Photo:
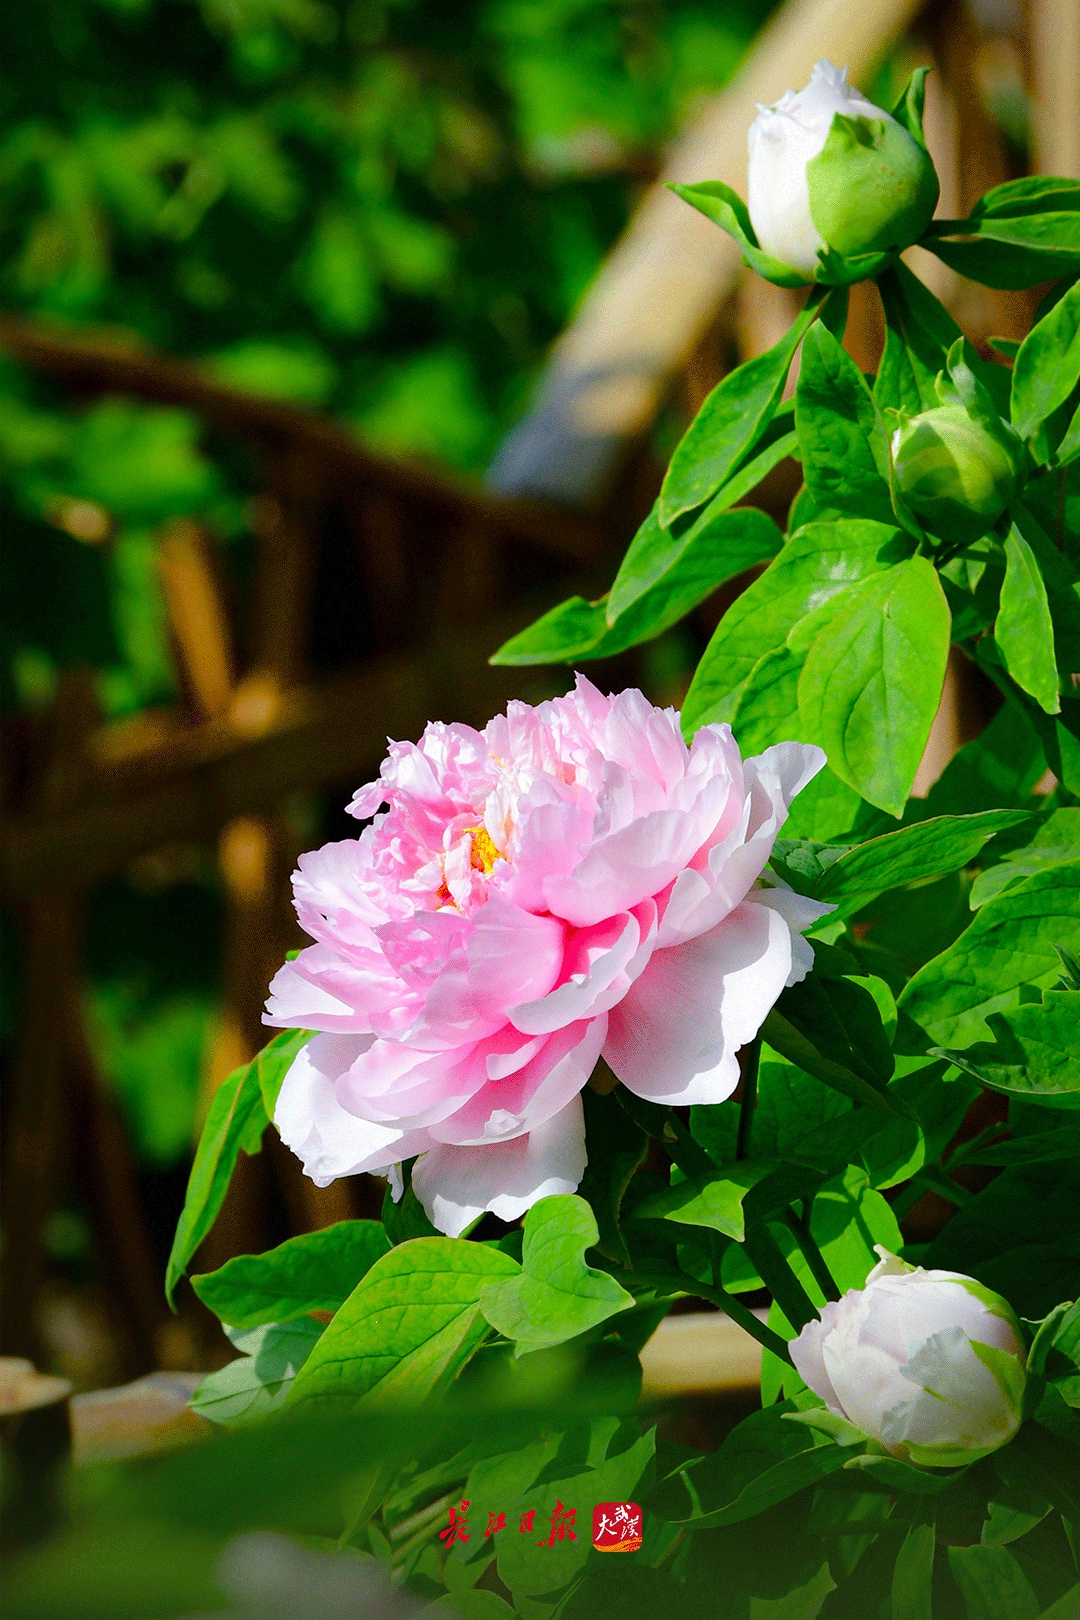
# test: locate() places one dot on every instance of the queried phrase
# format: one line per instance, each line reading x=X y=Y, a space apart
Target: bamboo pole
x=1055 y=73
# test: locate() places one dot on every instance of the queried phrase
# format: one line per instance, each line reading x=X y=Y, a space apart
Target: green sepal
x=726 y=208
x=830 y=1423
x=909 y=109
x=898 y=1476
x=873 y=190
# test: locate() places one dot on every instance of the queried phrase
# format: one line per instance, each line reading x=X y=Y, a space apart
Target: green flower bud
x=872 y=186
x=952 y=473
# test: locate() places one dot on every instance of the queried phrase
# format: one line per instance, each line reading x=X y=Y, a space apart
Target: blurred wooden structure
x=435 y=560
x=438 y=559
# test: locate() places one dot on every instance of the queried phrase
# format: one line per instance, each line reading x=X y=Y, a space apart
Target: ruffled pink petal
x=675 y=1035
x=321 y=990
x=598 y=968
x=513 y=956
x=703 y=897
x=509 y=1107
x=800 y=913
x=456 y=1185
x=628 y=866
x=329 y=1141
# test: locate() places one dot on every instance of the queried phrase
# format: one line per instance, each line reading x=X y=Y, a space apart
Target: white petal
x=675 y=1035
x=457 y=1184
x=806 y=1353
x=800 y=913
x=329 y=1141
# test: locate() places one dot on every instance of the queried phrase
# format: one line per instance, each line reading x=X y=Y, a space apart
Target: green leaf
x=726 y=208
x=1019 y=233
x=316 y=1271
x=1010 y=943
x=919 y=332
x=845 y=450
x=1056 y=841
x=616 y=1150
x=1024 y=632
x=913 y=1577
x=817 y=563
x=729 y=423
x=409 y=1326
x=1063 y=1142
x=1018 y=1236
x=273 y=1063
x=765 y=1460
x=872 y=680
x=235 y=1120
x=791 y=1107
x=1047 y=366
x=999 y=768
x=1066 y=1606
x=259 y=1380
x=688 y=568
x=688 y=560
x=1036 y=1051
x=559 y=636
x=1062 y=582
x=1069 y=448
x=924 y=850
x=716 y=1203
x=993 y=1584
x=556 y=1296
x=832 y=1030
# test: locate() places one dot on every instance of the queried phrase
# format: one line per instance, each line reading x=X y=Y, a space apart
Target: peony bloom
x=930 y=1364
x=571 y=882
x=873 y=190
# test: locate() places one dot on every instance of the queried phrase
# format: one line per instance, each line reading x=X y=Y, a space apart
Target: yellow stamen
x=484 y=853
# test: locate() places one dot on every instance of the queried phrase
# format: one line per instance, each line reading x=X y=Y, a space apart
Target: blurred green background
x=383 y=211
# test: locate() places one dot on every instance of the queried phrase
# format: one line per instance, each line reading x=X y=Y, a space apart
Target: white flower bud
x=877 y=191
x=930 y=1364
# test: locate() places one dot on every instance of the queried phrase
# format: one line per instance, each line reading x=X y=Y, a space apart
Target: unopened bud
x=953 y=474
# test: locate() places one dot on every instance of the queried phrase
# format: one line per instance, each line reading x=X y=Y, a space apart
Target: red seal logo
x=616 y=1527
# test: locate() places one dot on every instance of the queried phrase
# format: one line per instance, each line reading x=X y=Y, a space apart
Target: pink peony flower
x=571 y=882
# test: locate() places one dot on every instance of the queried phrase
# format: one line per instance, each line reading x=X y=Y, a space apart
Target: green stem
x=745 y=1317
x=974 y=1144
x=936 y=1179
x=786 y=1289
x=405 y=1529
x=688 y=1154
x=909 y=1196
x=799 y=1227
x=749 y=1098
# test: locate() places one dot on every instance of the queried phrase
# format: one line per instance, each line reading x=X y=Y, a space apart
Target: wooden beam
x=325 y=736
x=88 y=362
x=672 y=270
